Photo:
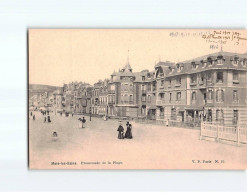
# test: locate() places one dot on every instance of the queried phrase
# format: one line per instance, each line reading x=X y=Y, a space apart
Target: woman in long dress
x=128 y=133
x=120 y=131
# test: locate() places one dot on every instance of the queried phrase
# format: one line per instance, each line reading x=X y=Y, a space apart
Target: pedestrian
x=72 y=114
x=34 y=117
x=83 y=122
x=45 y=119
x=54 y=136
x=120 y=131
x=61 y=114
x=31 y=113
x=47 y=112
x=128 y=133
x=48 y=119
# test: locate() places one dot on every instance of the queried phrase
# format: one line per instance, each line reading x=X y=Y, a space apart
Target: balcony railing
x=144 y=91
x=111 y=102
x=160 y=102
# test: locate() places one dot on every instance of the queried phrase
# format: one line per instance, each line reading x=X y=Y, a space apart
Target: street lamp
x=90 y=112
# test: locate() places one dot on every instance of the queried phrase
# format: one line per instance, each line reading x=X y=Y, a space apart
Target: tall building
x=127 y=92
x=210 y=88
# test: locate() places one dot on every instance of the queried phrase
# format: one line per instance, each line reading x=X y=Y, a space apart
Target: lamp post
x=90 y=112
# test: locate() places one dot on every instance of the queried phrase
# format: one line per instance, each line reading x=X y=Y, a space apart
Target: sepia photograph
x=137 y=99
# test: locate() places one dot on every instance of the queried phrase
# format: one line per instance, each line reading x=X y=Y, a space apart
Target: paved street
x=152 y=147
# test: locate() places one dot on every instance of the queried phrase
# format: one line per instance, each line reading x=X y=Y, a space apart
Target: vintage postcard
x=137 y=99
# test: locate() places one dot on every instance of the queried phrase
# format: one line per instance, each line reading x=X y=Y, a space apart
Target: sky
x=58 y=56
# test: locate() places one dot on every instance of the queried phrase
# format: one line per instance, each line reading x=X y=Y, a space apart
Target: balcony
x=160 y=102
x=177 y=84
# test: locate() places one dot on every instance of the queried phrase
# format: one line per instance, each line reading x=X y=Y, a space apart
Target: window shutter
x=217 y=95
x=222 y=95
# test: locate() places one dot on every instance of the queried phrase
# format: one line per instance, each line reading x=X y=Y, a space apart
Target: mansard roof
x=228 y=58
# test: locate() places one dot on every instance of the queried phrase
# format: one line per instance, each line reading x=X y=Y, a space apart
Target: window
x=235 y=76
x=193 y=65
x=244 y=62
x=201 y=76
x=149 y=87
x=169 y=83
x=235 y=95
x=178 y=96
x=143 y=87
x=170 y=97
x=131 y=98
x=220 y=95
x=178 y=80
x=143 y=78
x=204 y=64
x=193 y=79
x=193 y=96
x=143 y=110
x=235 y=60
x=235 y=117
x=210 y=94
x=143 y=98
x=209 y=61
x=209 y=76
x=161 y=96
x=220 y=60
x=149 y=99
x=219 y=77
x=162 y=83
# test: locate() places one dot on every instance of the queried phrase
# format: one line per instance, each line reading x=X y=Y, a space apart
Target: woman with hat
x=128 y=133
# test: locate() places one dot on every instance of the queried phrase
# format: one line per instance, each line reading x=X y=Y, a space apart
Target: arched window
x=220 y=95
x=193 y=95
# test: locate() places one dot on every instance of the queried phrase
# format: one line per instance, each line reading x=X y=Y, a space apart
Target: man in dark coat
x=83 y=122
x=48 y=119
x=120 y=131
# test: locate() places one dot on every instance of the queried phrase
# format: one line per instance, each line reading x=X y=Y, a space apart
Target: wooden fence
x=229 y=133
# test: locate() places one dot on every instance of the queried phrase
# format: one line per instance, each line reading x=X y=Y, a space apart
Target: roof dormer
x=235 y=60
x=220 y=60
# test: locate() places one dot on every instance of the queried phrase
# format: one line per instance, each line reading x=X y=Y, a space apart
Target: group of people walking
x=128 y=133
